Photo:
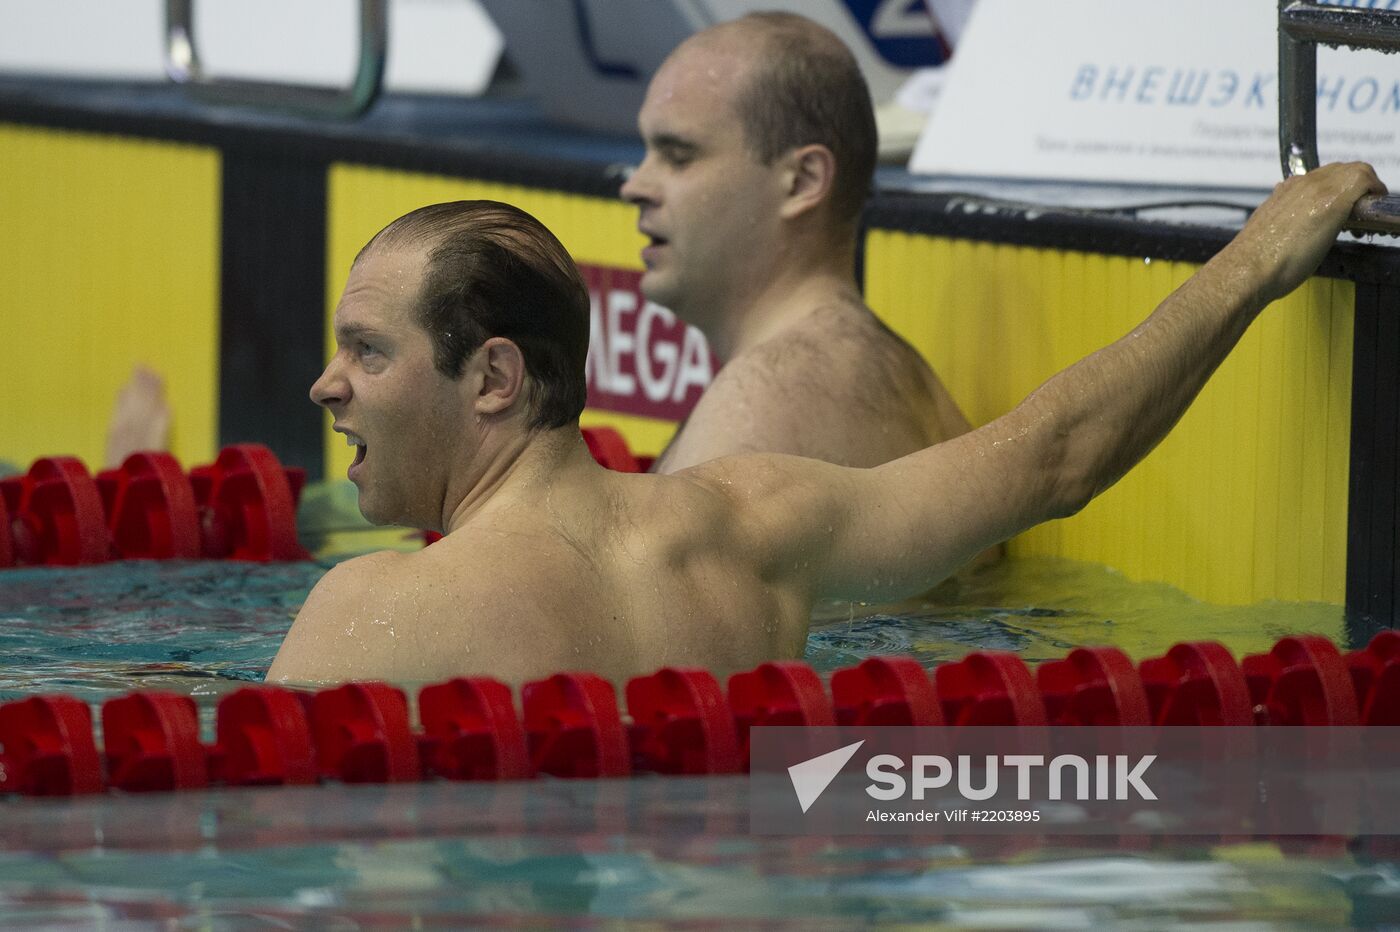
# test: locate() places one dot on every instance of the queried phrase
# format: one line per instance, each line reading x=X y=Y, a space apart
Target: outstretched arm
x=903 y=526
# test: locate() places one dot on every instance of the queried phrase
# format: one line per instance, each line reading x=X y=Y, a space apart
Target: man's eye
x=364 y=349
x=678 y=157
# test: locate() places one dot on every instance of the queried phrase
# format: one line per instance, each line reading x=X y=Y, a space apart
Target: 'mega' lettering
x=641 y=358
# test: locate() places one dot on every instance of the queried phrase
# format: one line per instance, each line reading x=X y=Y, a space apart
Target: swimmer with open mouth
x=551 y=562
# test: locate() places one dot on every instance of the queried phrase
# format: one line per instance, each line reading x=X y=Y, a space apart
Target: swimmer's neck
x=521 y=467
x=782 y=303
x=786 y=287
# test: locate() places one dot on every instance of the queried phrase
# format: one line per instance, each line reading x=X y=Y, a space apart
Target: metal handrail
x=182 y=65
x=1301 y=26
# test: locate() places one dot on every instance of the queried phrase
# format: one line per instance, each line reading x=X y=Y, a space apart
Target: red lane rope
x=678 y=721
x=240 y=507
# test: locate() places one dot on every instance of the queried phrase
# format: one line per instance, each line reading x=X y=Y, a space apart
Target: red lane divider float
x=471 y=731
x=248 y=505
x=1093 y=686
x=1197 y=683
x=1375 y=675
x=681 y=722
x=47 y=748
x=989 y=688
x=885 y=691
x=242 y=507
x=152 y=743
x=783 y=692
x=150 y=509
x=573 y=727
x=7 y=540
x=362 y=734
x=1304 y=680
x=56 y=516
x=264 y=739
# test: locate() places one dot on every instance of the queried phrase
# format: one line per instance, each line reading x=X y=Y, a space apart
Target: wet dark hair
x=495 y=271
x=807 y=88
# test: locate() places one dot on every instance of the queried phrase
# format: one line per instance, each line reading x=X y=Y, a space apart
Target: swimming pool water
x=583 y=853
x=206 y=627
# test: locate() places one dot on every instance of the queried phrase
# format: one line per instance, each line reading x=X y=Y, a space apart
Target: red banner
x=641 y=358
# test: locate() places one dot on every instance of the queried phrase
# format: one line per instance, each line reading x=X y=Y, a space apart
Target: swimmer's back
x=638 y=574
x=839 y=386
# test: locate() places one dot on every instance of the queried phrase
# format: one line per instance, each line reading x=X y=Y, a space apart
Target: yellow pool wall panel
x=109 y=257
x=1245 y=501
x=361 y=200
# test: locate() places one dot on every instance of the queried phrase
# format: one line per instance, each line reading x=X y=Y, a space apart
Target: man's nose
x=636 y=187
x=331 y=388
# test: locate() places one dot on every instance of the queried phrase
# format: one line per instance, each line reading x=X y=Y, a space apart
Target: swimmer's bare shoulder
x=636 y=577
x=336 y=615
x=840 y=388
x=414 y=617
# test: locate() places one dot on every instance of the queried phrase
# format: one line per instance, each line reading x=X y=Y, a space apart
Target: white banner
x=1144 y=91
x=436 y=46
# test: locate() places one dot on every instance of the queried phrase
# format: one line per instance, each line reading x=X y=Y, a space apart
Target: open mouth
x=358 y=444
x=652 y=248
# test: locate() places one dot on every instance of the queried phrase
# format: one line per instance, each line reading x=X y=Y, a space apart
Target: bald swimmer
x=459 y=375
x=760 y=150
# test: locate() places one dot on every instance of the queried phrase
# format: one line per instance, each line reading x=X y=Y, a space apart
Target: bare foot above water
x=140 y=418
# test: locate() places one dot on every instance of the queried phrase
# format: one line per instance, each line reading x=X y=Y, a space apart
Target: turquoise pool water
x=204 y=628
x=590 y=853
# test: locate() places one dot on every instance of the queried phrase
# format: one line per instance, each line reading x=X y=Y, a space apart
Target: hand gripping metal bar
x=1301 y=26
x=182 y=65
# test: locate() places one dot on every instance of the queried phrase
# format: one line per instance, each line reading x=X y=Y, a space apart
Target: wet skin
x=552 y=563
x=753 y=255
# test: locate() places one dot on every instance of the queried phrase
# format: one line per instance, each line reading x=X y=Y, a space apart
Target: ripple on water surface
x=204 y=627
x=506 y=854
x=102 y=629
x=1043 y=607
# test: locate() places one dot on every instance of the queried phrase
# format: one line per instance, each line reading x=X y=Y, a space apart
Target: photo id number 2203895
x=955 y=815
x=1004 y=815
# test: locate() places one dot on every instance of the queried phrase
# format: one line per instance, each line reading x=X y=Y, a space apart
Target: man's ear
x=501 y=372
x=809 y=176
